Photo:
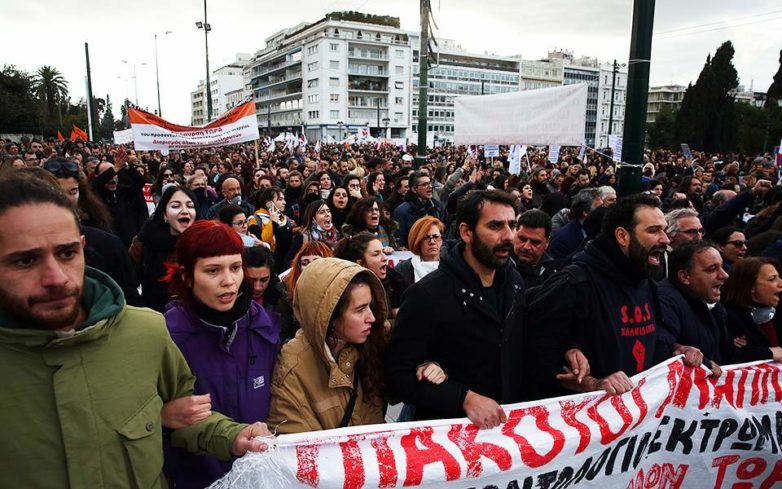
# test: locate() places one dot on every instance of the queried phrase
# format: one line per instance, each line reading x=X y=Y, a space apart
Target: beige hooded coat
x=310 y=389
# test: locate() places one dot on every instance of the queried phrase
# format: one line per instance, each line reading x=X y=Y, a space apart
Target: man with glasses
x=683 y=226
x=419 y=203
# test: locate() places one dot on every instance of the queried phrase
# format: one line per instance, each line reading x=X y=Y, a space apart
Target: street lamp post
x=386 y=121
x=135 y=80
x=157 y=77
x=339 y=125
x=207 y=28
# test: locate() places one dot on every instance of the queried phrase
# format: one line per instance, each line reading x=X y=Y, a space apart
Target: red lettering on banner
x=432 y=452
x=755 y=396
x=639 y=402
x=463 y=436
x=692 y=377
x=674 y=372
x=770 y=376
x=721 y=464
x=353 y=464
x=663 y=476
x=386 y=463
x=724 y=390
x=307 y=465
x=747 y=470
x=742 y=388
x=606 y=435
x=528 y=454
x=568 y=411
x=774 y=477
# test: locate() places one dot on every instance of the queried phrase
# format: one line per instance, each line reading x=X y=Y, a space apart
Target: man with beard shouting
x=603 y=305
x=466 y=316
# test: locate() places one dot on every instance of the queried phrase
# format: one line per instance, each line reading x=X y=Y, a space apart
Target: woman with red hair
x=230 y=341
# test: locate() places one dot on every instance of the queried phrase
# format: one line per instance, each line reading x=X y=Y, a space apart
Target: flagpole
x=257 y=158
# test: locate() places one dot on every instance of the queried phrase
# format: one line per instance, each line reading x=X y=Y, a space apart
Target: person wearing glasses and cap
x=419 y=203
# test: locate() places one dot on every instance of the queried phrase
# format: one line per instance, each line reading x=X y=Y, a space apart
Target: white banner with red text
x=150 y=132
x=678 y=428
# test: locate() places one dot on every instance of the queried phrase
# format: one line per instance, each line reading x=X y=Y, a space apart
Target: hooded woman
x=330 y=374
x=229 y=341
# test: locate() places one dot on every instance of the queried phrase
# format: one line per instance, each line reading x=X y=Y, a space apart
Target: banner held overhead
x=542 y=117
x=150 y=132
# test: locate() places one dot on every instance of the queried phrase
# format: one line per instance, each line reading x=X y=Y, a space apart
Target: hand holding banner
x=677 y=428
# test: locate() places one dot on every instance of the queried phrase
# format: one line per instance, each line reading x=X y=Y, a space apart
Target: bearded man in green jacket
x=84 y=376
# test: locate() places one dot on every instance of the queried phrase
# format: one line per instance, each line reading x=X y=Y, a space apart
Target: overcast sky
x=49 y=32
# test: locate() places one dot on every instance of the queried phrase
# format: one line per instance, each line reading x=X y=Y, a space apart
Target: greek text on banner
x=678 y=428
x=150 y=132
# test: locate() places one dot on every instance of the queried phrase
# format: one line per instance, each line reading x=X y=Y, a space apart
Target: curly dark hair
x=371 y=353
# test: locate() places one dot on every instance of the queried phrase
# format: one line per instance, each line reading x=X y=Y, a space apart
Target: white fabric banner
x=553 y=153
x=514 y=158
x=150 y=132
x=123 y=137
x=677 y=428
x=541 y=117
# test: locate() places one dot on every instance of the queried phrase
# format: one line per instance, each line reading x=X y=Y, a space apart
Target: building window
x=400 y=53
x=399 y=100
x=334 y=97
x=333 y=82
x=398 y=116
x=334 y=46
x=333 y=65
x=312 y=83
x=312 y=66
x=312 y=99
x=313 y=114
x=334 y=114
x=312 y=49
x=399 y=85
x=400 y=70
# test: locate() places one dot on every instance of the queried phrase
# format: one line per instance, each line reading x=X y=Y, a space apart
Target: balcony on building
x=364 y=84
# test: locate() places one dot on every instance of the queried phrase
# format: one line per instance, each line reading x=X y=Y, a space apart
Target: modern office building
x=611 y=85
x=224 y=80
x=582 y=70
x=457 y=72
x=338 y=75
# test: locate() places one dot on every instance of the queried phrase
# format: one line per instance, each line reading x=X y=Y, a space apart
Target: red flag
x=74 y=136
x=77 y=133
x=60 y=137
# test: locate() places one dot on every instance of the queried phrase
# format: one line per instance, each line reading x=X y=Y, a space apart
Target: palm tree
x=51 y=87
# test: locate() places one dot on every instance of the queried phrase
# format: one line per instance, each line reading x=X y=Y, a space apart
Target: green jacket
x=83 y=410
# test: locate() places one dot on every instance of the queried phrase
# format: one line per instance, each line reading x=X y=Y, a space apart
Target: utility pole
x=207 y=28
x=611 y=114
x=92 y=116
x=157 y=78
x=423 y=84
x=483 y=83
x=269 y=117
x=637 y=95
x=378 y=116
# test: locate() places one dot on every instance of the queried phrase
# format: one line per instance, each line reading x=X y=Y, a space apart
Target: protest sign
x=615 y=143
x=686 y=151
x=678 y=428
x=514 y=158
x=553 y=153
x=150 y=132
x=491 y=151
x=123 y=137
x=546 y=116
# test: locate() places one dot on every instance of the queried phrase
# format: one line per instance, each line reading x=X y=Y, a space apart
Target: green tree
x=662 y=132
x=107 y=123
x=707 y=116
x=19 y=108
x=50 y=87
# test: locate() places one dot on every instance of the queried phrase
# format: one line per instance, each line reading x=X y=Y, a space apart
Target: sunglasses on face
x=67 y=167
x=738 y=243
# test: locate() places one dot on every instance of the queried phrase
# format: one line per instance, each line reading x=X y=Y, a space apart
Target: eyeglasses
x=354 y=186
x=239 y=223
x=68 y=167
x=738 y=243
x=432 y=237
x=424 y=184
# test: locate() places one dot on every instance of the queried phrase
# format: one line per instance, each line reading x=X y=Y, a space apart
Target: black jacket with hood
x=446 y=317
x=602 y=304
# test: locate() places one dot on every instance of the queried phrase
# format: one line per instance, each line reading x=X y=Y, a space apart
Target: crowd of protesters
x=265 y=289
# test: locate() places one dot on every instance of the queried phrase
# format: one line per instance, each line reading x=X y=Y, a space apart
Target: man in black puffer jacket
x=466 y=316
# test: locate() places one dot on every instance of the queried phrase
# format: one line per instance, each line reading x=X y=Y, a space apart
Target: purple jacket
x=235 y=369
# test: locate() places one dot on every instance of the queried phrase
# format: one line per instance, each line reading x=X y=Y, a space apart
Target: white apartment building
x=333 y=77
x=224 y=81
x=663 y=96
x=608 y=87
x=542 y=73
x=457 y=72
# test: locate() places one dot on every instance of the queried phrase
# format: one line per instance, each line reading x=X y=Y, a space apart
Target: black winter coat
x=446 y=317
x=740 y=323
x=127 y=205
x=689 y=321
